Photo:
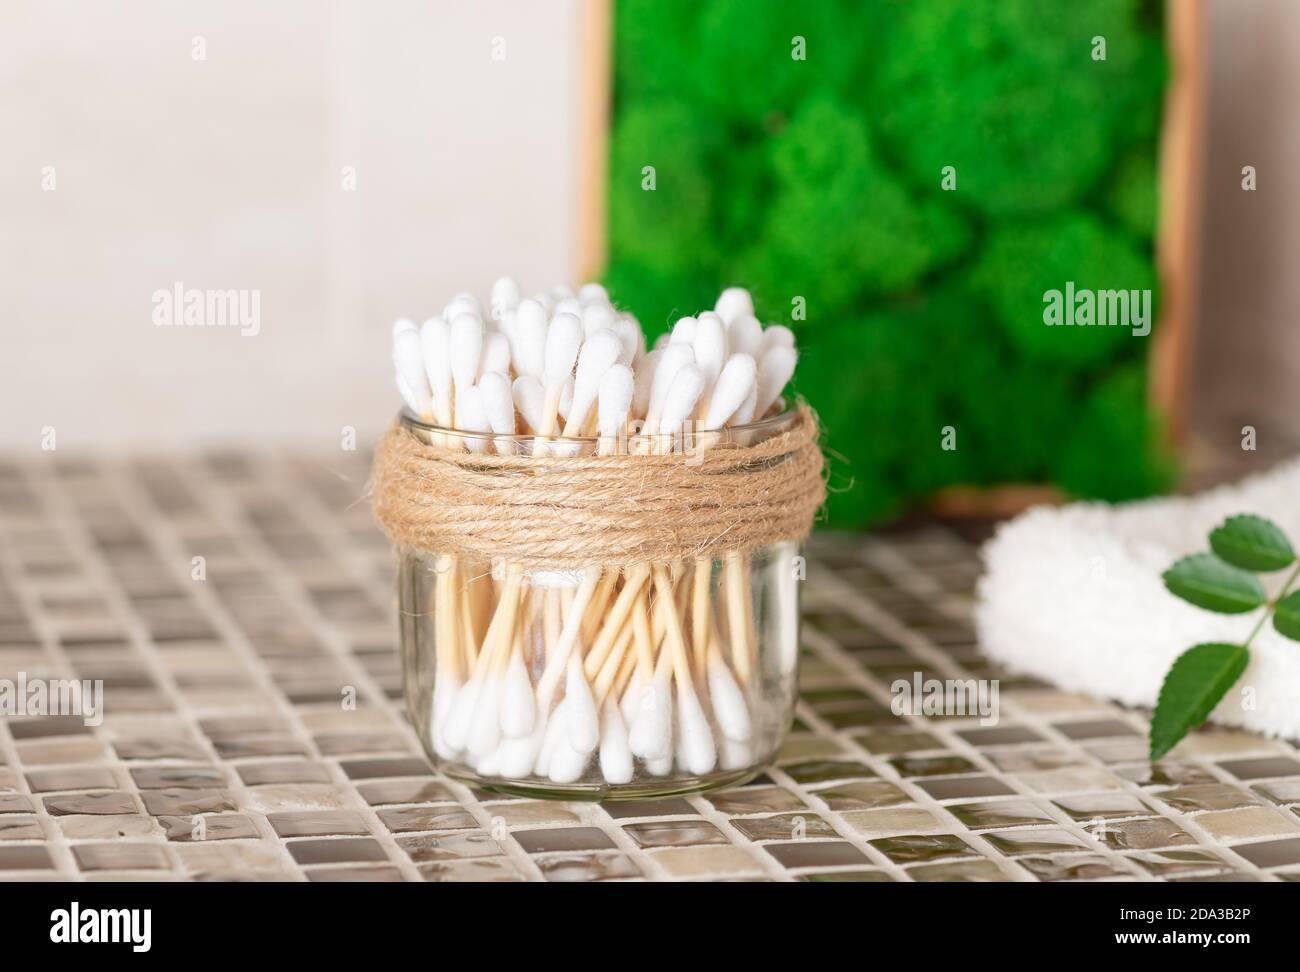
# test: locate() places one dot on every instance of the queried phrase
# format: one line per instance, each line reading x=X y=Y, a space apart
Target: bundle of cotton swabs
x=537 y=672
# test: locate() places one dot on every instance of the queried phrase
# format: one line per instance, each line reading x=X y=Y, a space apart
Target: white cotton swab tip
x=737 y=378
x=698 y=748
x=403 y=324
x=643 y=383
x=505 y=297
x=734 y=302
x=599 y=352
x=615 y=756
x=499 y=407
x=682 y=397
x=496 y=353
x=409 y=363
x=710 y=345
x=674 y=358
x=593 y=293
x=466 y=349
x=595 y=317
x=614 y=400
x=517 y=704
x=745 y=336
x=563 y=339
x=774 y=372
x=529 y=342
x=729 y=708
x=683 y=331
x=471 y=417
x=630 y=338
x=529 y=396
x=582 y=722
x=777 y=335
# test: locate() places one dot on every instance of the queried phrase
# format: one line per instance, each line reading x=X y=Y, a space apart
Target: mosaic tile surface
x=254 y=727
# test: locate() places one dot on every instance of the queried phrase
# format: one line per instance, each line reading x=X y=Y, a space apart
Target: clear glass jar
x=601 y=683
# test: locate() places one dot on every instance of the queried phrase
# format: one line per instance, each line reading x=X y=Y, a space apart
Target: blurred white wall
x=1248 y=339
x=227 y=173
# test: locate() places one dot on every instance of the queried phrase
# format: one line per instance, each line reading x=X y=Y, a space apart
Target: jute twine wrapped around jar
x=559 y=513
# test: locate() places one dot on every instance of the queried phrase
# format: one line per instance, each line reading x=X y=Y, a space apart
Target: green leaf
x=1252 y=542
x=1286 y=616
x=1207 y=582
x=1199 y=678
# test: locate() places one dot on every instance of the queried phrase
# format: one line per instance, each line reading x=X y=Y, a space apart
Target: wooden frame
x=1177 y=235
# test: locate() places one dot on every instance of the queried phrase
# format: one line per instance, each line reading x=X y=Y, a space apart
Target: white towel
x=1073 y=595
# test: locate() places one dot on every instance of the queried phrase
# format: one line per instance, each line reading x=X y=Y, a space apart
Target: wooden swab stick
x=614 y=620
x=556 y=663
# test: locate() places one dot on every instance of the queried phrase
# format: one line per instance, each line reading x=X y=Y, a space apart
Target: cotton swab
x=615 y=756
x=599 y=352
x=734 y=383
x=529 y=342
x=563 y=339
x=590 y=293
x=643 y=382
x=466 y=352
x=673 y=359
x=710 y=344
x=774 y=373
x=613 y=402
x=529 y=398
x=680 y=402
x=499 y=407
x=734 y=302
x=745 y=336
x=777 y=335
x=435 y=346
x=496 y=353
x=505 y=297
x=472 y=417
x=597 y=317
x=410 y=370
x=683 y=331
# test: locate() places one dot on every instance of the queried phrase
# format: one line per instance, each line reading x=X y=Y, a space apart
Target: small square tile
x=1095 y=729
x=999 y=813
x=1280 y=791
x=529 y=813
x=821 y=771
x=1166 y=773
x=20 y=827
x=945 y=765
x=785 y=826
x=344 y=850
x=816 y=853
x=369 y=769
x=1164 y=863
x=890 y=742
x=25 y=857
x=1247 y=823
x=1269 y=853
x=405 y=791
x=865 y=876
x=120 y=857
x=107 y=827
x=1256 y=769
x=981 y=870
x=588 y=867
x=283 y=771
x=15 y=803
x=672 y=806
x=178 y=777
x=405 y=820
x=1141 y=834
x=1000 y=735
x=922 y=848
x=74 y=778
x=99 y=803
x=1102 y=806
x=186 y=802
x=565 y=839
x=478 y=870
x=755 y=799
x=1045 y=840
x=690 y=862
x=965 y=787
x=367 y=875
x=42 y=726
x=319 y=823
x=230 y=826
x=862 y=796
x=893 y=820
x=1072 y=867
x=433 y=848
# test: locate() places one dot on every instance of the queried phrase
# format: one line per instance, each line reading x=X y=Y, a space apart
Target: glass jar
x=605 y=682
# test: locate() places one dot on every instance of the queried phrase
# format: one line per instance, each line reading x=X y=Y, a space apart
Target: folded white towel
x=1073 y=595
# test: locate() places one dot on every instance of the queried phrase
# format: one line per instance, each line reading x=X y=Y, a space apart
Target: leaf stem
x=1271 y=606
